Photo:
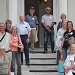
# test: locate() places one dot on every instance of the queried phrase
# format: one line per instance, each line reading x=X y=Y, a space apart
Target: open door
x=34 y=3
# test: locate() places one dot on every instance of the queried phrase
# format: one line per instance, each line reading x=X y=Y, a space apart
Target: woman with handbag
x=15 y=45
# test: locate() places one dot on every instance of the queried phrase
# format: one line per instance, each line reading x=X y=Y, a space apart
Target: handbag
x=19 y=49
x=61 y=64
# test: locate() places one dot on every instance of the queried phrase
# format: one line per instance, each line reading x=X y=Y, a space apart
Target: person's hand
x=27 y=40
x=61 y=39
x=37 y=31
x=66 y=70
x=48 y=29
x=60 y=50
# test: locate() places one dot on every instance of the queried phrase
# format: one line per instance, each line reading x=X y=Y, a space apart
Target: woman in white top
x=59 y=39
x=69 y=65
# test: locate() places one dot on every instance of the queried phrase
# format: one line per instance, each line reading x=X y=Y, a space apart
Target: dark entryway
x=39 y=11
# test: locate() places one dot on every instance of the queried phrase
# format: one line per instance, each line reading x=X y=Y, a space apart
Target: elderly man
x=33 y=22
x=24 y=31
x=48 y=23
x=5 y=41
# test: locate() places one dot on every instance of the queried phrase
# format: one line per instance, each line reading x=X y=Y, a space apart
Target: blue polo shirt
x=32 y=20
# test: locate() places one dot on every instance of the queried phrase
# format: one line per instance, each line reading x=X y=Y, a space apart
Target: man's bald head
x=21 y=17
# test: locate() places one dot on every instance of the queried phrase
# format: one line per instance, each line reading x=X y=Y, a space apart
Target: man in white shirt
x=5 y=41
x=24 y=31
x=48 y=23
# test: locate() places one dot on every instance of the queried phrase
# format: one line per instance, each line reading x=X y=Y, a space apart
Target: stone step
x=39 y=61
x=48 y=55
x=35 y=68
x=41 y=73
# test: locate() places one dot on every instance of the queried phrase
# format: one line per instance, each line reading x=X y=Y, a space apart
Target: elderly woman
x=15 y=44
x=63 y=19
x=69 y=65
x=4 y=62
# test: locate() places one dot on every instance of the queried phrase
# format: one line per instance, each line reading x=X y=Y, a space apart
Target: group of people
x=14 y=40
x=65 y=43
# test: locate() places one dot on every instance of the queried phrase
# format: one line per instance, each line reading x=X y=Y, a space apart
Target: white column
x=62 y=7
x=20 y=7
x=13 y=11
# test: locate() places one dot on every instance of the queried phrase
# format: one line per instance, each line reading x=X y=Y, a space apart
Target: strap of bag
x=18 y=39
x=3 y=37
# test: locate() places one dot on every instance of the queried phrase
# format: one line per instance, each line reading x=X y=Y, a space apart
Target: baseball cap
x=32 y=8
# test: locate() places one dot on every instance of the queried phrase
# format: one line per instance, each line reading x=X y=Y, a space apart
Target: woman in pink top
x=15 y=43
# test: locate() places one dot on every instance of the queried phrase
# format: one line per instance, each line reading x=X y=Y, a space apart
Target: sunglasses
x=48 y=9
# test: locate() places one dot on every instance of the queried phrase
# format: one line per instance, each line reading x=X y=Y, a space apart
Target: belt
x=24 y=35
x=7 y=51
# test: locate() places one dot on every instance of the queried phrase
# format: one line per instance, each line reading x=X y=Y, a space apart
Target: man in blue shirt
x=33 y=22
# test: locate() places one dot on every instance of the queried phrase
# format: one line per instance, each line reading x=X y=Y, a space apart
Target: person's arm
x=59 y=25
x=29 y=29
x=52 y=24
x=20 y=43
x=37 y=28
x=45 y=26
x=9 y=70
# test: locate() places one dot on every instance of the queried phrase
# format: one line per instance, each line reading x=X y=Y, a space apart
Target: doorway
x=39 y=12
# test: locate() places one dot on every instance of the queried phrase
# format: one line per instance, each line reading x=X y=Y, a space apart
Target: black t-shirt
x=67 y=35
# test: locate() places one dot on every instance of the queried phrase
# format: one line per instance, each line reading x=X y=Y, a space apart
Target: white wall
x=71 y=11
x=2 y=10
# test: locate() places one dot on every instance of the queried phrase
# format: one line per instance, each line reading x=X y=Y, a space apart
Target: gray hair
x=63 y=15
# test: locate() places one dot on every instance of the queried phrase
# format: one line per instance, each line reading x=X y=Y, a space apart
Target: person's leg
x=22 y=58
x=58 y=56
x=26 y=52
x=22 y=39
x=18 y=59
x=33 y=35
x=13 y=62
x=64 y=50
x=52 y=39
x=45 y=39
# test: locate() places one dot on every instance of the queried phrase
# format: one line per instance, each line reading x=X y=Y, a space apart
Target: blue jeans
x=46 y=36
x=64 y=50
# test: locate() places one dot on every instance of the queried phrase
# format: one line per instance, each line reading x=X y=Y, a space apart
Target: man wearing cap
x=48 y=23
x=33 y=22
x=5 y=41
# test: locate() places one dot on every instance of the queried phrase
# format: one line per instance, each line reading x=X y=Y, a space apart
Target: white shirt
x=6 y=41
x=47 y=19
x=68 y=61
x=61 y=32
x=23 y=28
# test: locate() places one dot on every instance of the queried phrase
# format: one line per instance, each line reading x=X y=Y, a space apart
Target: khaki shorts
x=33 y=35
